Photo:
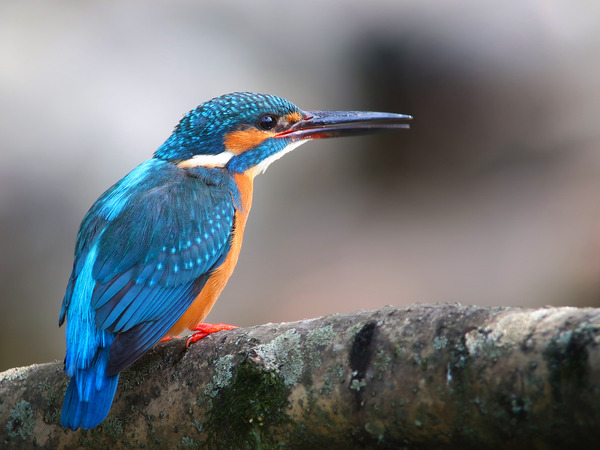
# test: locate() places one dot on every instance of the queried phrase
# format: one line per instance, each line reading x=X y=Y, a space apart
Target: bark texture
x=423 y=376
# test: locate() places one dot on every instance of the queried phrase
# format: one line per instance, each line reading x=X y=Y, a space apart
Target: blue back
x=144 y=252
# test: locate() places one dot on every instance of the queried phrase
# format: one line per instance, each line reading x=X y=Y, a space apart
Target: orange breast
x=204 y=302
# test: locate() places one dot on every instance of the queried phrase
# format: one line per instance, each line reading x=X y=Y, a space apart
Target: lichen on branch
x=423 y=376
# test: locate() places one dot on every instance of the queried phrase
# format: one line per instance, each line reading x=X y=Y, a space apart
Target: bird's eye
x=267 y=122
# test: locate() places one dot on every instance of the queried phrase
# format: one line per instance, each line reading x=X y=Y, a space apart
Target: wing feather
x=159 y=234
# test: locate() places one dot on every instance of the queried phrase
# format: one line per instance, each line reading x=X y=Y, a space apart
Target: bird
x=154 y=252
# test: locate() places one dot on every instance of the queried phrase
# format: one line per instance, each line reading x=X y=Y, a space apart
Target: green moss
x=21 y=421
x=112 y=426
x=246 y=412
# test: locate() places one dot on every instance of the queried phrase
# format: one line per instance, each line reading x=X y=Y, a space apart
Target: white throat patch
x=262 y=166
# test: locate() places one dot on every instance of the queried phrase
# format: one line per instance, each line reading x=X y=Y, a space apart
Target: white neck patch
x=221 y=159
x=218 y=160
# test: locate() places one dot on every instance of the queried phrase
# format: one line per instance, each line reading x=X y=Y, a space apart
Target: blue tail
x=89 y=395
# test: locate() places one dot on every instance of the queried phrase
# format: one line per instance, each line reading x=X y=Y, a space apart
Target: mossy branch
x=424 y=376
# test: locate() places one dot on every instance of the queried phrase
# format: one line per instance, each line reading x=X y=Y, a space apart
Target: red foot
x=204 y=329
x=165 y=339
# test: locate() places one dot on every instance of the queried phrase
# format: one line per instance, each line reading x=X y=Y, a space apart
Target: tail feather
x=89 y=395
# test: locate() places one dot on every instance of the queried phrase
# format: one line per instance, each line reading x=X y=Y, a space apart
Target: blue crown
x=202 y=130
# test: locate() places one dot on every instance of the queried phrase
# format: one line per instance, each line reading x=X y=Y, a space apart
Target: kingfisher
x=155 y=251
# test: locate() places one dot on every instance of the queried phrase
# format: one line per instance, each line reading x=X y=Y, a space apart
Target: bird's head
x=245 y=132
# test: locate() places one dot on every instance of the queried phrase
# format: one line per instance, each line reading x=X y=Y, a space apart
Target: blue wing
x=156 y=237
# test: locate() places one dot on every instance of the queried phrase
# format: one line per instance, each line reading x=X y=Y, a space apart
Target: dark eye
x=267 y=122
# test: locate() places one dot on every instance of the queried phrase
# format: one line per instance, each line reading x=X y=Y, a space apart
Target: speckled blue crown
x=201 y=131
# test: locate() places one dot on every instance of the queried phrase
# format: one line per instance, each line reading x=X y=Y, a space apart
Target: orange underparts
x=204 y=302
x=241 y=140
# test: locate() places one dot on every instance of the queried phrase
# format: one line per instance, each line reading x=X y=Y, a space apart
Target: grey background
x=491 y=198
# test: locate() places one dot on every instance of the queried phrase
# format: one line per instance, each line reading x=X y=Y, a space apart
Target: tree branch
x=423 y=376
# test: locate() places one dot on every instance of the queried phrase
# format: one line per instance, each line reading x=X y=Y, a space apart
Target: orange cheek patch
x=239 y=141
x=294 y=117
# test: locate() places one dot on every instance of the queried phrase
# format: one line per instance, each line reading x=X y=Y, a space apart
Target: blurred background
x=490 y=199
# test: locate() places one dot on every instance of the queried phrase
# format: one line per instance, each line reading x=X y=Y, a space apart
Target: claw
x=204 y=329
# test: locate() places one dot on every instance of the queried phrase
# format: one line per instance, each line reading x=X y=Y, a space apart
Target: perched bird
x=156 y=249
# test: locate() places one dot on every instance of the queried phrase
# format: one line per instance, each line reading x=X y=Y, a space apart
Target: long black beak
x=325 y=124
